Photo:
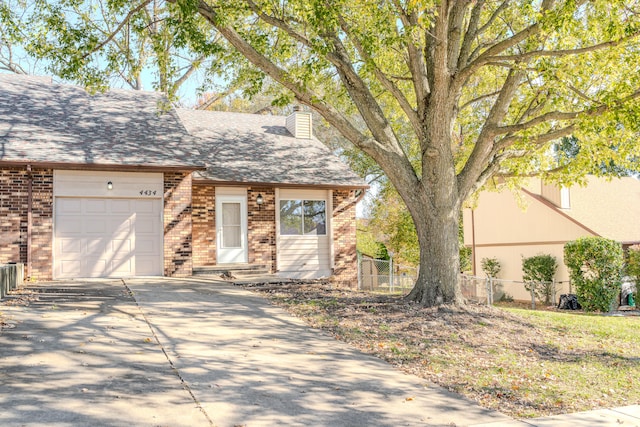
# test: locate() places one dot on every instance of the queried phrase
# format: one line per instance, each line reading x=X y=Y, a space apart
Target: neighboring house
x=122 y=184
x=546 y=218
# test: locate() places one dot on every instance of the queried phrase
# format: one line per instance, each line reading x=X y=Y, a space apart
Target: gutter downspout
x=29 y=218
x=473 y=242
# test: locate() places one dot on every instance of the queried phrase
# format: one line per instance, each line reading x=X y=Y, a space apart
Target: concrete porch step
x=233 y=269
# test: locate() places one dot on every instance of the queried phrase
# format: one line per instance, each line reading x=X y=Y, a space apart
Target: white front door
x=231 y=221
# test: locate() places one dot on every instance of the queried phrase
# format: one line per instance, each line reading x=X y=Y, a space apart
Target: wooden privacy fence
x=11 y=275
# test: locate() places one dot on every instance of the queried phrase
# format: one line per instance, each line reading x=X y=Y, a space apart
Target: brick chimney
x=299 y=123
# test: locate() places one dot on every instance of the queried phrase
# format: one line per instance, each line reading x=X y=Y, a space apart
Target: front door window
x=231 y=225
x=231 y=229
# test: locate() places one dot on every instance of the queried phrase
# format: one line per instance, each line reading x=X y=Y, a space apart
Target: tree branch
x=417 y=62
x=470 y=34
x=532 y=174
x=484 y=147
x=192 y=68
x=564 y=52
x=539 y=140
x=563 y=116
x=381 y=76
x=118 y=28
x=501 y=46
x=279 y=23
x=496 y=13
x=478 y=99
x=455 y=37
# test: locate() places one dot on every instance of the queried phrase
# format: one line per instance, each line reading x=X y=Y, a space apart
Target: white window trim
x=326 y=215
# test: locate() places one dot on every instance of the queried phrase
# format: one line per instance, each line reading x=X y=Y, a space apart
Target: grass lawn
x=523 y=363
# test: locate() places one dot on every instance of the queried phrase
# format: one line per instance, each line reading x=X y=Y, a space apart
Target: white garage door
x=107 y=237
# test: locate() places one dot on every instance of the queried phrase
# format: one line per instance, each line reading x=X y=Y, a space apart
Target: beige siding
x=551 y=192
x=499 y=220
x=501 y=228
x=300 y=125
x=304 y=256
x=303 y=253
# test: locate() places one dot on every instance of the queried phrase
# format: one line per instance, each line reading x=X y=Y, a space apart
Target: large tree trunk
x=439 y=257
x=435 y=208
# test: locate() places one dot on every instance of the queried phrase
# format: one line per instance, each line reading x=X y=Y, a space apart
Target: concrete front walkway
x=189 y=352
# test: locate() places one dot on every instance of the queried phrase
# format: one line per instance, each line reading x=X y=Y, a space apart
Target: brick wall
x=177 y=224
x=14 y=202
x=204 y=225
x=345 y=272
x=262 y=227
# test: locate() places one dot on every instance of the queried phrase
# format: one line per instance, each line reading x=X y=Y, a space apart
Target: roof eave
x=101 y=166
x=327 y=186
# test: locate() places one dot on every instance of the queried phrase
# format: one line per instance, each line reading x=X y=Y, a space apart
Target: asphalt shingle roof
x=44 y=122
x=59 y=124
x=251 y=148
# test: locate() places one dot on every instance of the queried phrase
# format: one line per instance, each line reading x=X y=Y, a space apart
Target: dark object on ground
x=569 y=302
x=627 y=292
x=227 y=275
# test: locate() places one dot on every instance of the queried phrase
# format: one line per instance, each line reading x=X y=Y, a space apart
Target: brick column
x=14 y=203
x=204 y=225
x=345 y=271
x=262 y=227
x=178 y=250
x=42 y=225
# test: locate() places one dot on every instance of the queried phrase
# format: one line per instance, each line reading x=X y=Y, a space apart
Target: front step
x=233 y=269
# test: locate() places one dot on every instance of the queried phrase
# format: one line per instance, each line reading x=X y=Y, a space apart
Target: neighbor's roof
x=251 y=148
x=45 y=122
x=611 y=208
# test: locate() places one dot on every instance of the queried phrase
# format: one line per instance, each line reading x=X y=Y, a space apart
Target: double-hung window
x=303 y=217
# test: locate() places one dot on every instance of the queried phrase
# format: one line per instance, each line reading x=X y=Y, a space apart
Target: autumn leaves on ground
x=523 y=363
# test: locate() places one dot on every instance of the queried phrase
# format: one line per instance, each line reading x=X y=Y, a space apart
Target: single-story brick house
x=122 y=184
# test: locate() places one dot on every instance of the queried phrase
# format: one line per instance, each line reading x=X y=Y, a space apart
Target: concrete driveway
x=188 y=352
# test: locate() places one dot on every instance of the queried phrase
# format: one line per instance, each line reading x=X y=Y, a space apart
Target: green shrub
x=538 y=272
x=505 y=297
x=595 y=265
x=490 y=266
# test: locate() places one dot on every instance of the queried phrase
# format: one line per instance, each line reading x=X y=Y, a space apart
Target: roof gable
x=499 y=219
x=609 y=207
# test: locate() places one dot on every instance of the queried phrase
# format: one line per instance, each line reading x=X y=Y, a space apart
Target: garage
x=107 y=224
